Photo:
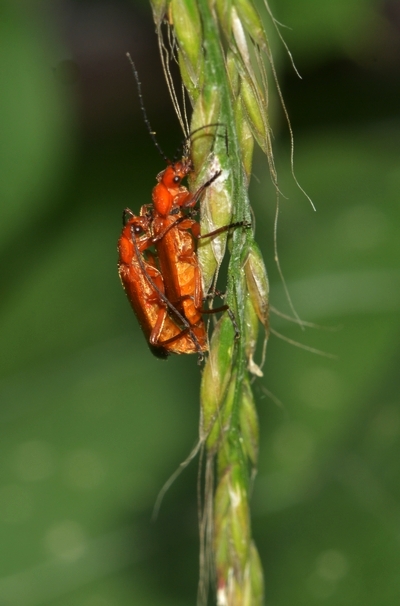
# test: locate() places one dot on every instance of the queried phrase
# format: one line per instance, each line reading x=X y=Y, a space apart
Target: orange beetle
x=173 y=239
x=165 y=328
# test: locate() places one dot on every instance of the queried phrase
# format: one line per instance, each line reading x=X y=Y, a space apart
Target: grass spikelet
x=220 y=52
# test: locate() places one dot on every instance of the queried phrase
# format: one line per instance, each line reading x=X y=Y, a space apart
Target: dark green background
x=91 y=424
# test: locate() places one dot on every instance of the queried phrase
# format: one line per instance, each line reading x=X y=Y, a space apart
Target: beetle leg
x=158 y=326
x=220 y=230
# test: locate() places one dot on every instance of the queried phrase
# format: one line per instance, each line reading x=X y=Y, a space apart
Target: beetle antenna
x=146 y=119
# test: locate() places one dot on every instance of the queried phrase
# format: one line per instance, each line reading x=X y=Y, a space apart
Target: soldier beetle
x=165 y=328
x=173 y=234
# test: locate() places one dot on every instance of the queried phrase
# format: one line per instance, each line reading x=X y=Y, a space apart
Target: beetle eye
x=176 y=179
x=137 y=230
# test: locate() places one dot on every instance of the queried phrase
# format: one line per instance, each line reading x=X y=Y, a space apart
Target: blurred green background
x=91 y=424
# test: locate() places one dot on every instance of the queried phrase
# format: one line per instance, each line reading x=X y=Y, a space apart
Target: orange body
x=179 y=267
x=165 y=329
x=172 y=236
